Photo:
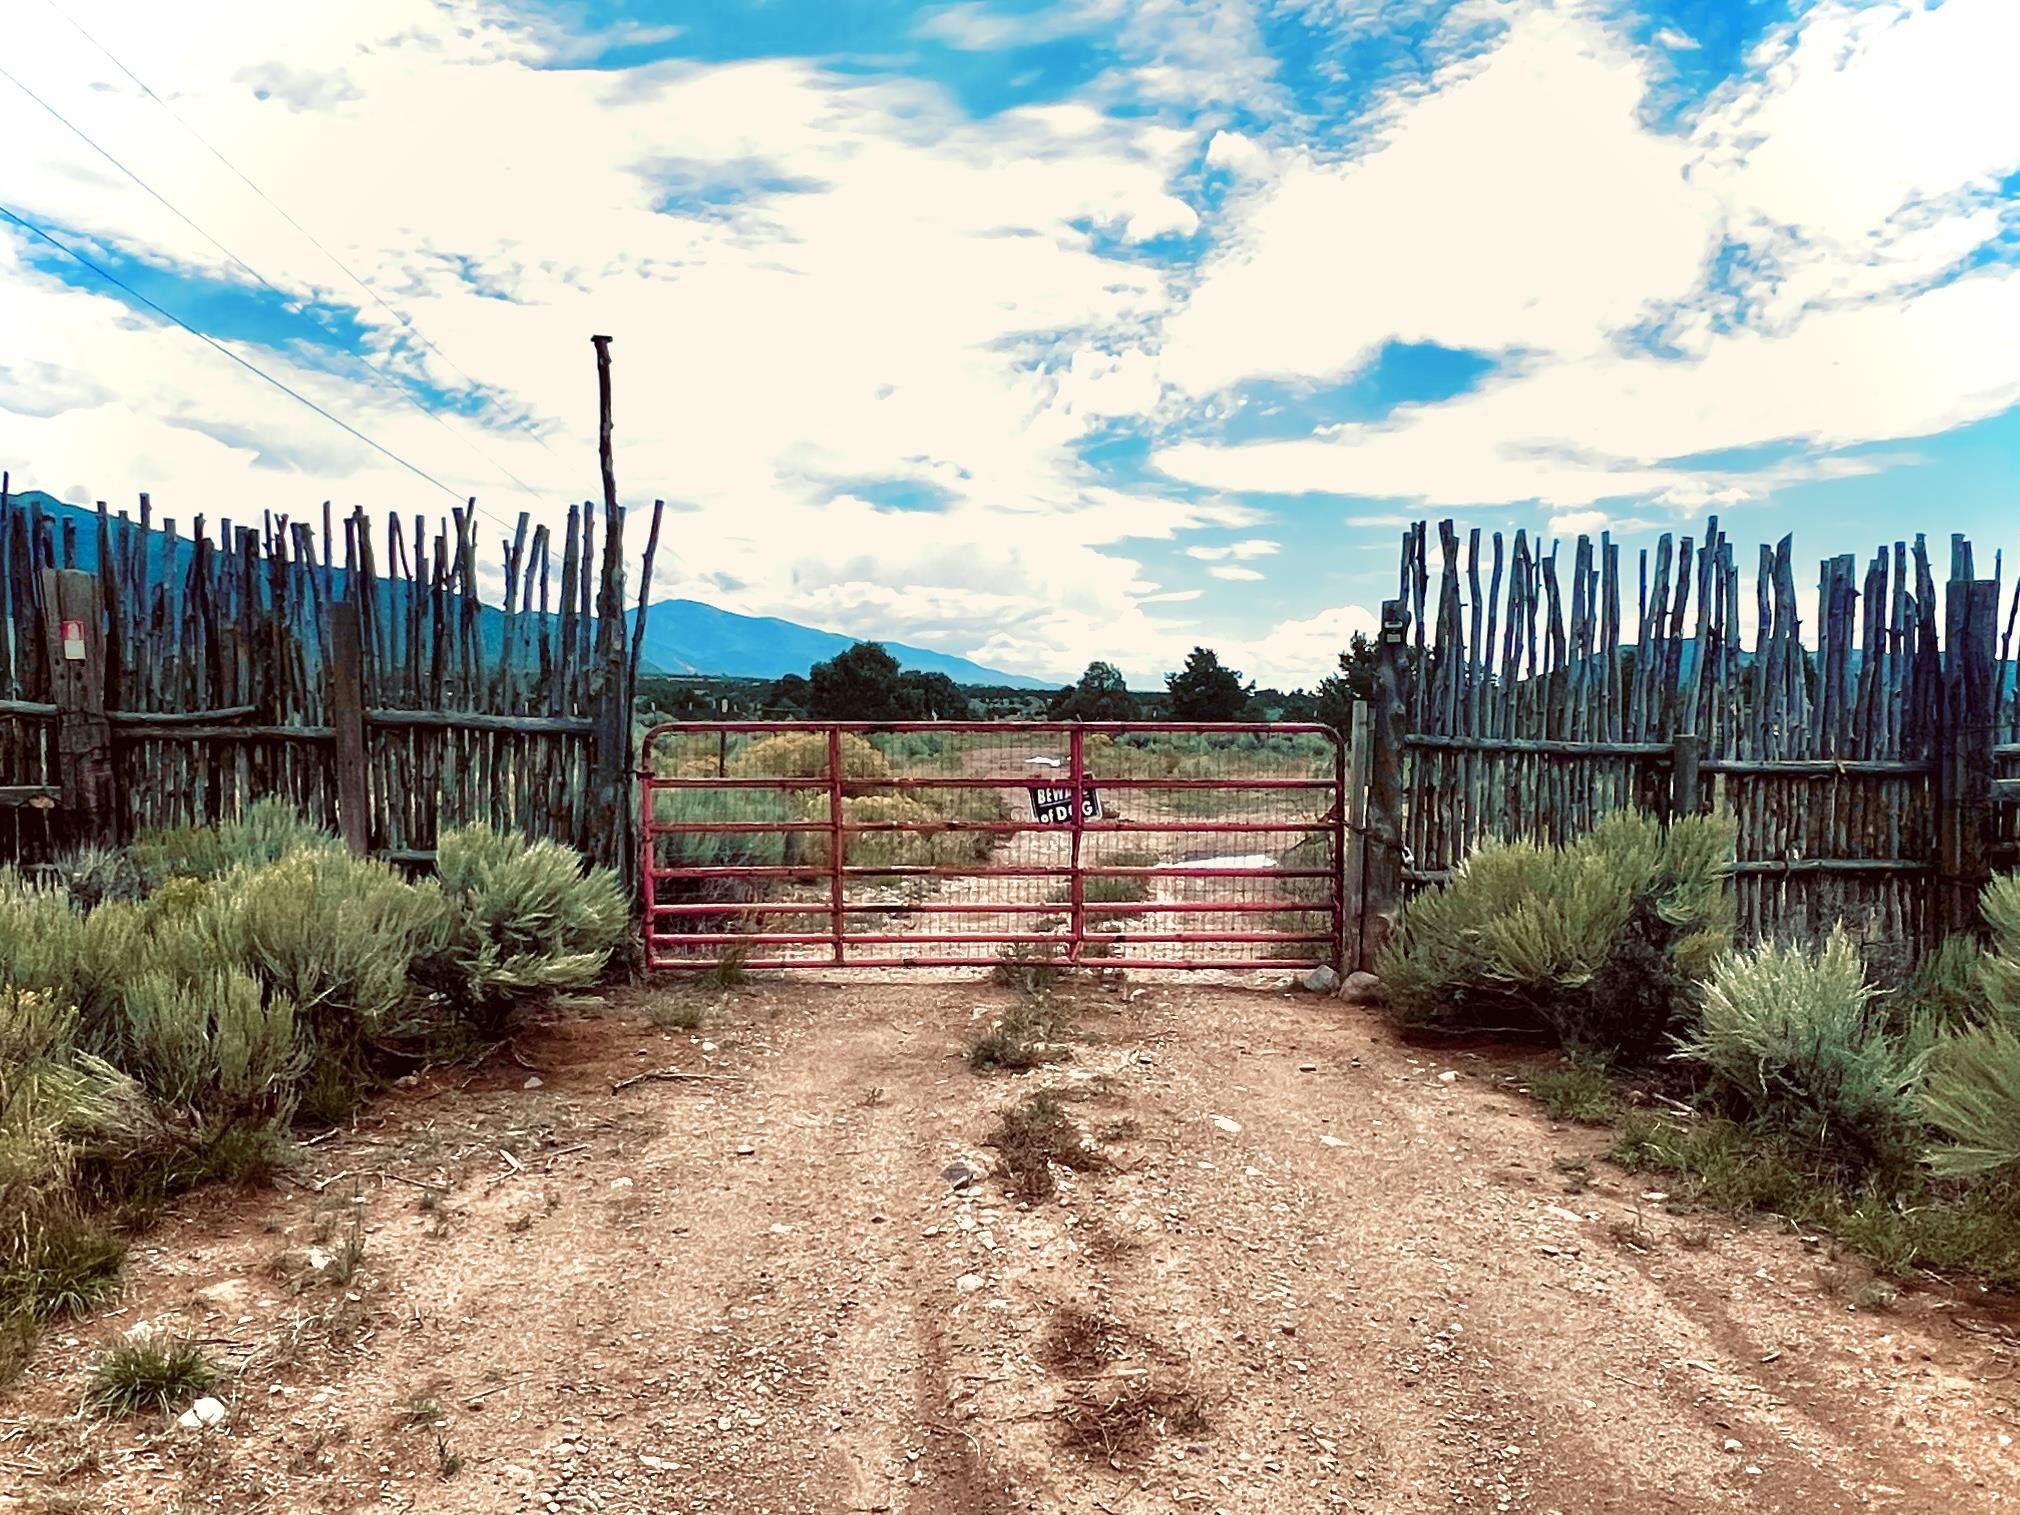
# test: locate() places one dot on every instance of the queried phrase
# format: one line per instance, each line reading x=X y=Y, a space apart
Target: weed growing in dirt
x=1024 y=1037
x=1028 y=967
x=677 y=1013
x=147 y=1373
x=1120 y=1416
x=1877 y=1295
x=1080 y=1344
x=1032 y=1137
x=1692 y=1238
x=448 y=1461
x=63 y=1267
x=1901 y=1220
x=1579 y=1092
x=728 y=971
x=1628 y=1231
x=872 y=1097
x=423 y=1411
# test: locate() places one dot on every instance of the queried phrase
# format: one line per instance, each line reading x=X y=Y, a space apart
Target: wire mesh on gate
x=952 y=843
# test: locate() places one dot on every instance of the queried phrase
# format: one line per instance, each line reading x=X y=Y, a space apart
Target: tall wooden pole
x=610 y=752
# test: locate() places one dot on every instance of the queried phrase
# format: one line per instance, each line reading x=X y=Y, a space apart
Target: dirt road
x=764 y=1291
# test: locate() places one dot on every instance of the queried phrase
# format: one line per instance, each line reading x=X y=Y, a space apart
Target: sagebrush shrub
x=1601 y=940
x=268 y=831
x=1972 y=1095
x=519 y=917
x=1797 y=1040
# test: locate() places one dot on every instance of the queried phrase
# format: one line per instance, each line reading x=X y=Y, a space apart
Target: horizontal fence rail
x=1869 y=757
x=956 y=843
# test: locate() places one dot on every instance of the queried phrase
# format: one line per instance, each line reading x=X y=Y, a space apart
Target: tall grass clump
x=1798 y=1042
x=518 y=917
x=1601 y=942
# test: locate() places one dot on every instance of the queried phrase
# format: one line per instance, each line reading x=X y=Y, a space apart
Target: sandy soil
x=762 y=1292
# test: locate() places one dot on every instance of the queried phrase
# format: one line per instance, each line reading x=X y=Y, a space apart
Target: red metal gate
x=955 y=843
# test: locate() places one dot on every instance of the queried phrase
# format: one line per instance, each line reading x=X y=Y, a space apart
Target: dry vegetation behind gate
x=1299 y=1270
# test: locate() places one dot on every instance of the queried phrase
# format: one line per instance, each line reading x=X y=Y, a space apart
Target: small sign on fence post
x=73 y=641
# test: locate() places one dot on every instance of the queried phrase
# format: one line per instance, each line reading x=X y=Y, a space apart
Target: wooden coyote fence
x=152 y=679
x=1869 y=760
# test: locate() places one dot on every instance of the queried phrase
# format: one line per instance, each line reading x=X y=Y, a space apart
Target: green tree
x=858 y=685
x=1203 y=690
x=931 y=697
x=1100 y=695
x=1355 y=681
x=788 y=693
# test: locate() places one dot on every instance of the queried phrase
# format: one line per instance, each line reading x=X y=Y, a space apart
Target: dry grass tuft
x=1121 y=1415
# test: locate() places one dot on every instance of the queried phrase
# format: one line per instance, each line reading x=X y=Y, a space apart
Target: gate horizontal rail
x=820 y=823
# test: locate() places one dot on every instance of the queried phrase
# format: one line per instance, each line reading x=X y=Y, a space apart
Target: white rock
x=1228 y=1124
x=1361 y=989
x=1331 y=1141
x=205 y=1412
x=1734 y=1446
x=620 y=1183
x=531 y=1083
x=708 y=1046
x=1321 y=980
x=968 y=1283
x=1559 y=1212
x=1448 y=1077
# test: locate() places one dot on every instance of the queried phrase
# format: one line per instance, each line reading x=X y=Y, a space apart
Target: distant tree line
x=865 y=683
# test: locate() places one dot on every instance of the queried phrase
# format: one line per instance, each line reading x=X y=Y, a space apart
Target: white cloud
x=1298 y=653
x=1253 y=547
x=1676 y=41
x=1235 y=575
x=1546 y=223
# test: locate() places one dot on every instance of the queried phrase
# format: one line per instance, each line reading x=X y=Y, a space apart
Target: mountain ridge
x=683 y=637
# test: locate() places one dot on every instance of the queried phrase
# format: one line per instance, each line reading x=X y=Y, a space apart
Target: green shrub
x=1999 y=969
x=1945 y=990
x=1530 y=934
x=221 y=1060
x=269 y=831
x=1580 y=1091
x=147 y=1373
x=1797 y=1041
x=1972 y=1095
x=520 y=917
x=93 y=876
x=335 y=936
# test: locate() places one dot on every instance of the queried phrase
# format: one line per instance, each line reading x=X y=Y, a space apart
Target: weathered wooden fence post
x=1975 y=734
x=1684 y=791
x=610 y=775
x=1354 y=809
x=1383 y=868
x=74 y=634
x=347 y=716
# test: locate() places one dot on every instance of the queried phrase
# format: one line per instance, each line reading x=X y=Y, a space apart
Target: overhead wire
x=280 y=210
x=377 y=373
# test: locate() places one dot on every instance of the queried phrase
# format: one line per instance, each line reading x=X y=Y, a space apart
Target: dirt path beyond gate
x=1305 y=1268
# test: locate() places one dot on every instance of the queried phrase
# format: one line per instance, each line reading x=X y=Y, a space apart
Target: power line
x=399 y=315
x=370 y=367
x=245 y=363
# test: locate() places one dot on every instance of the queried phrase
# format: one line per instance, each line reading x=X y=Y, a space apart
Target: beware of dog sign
x=1052 y=804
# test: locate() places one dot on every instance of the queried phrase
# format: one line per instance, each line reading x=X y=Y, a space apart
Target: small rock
x=1751 y=1469
x=1331 y=1141
x=708 y=1046
x=1560 y=1213
x=1228 y=1124
x=1734 y=1446
x=1448 y=1077
x=1321 y=980
x=1656 y=1196
x=620 y=1183
x=1308 y=1067
x=745 y=1149
x=780 y=1228
x=226 y=1295
x=204 y=1413
x=531 y=1083
x=968 y=1283
x=1361 y=988
x=960 y=1174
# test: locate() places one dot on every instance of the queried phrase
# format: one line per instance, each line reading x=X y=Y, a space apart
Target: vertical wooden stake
x=74 y=635
x=347 y=715
x=1684 y=789
x=1383 y=868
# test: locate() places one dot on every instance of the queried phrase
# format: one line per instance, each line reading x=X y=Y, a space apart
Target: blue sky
x=1034 y=332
